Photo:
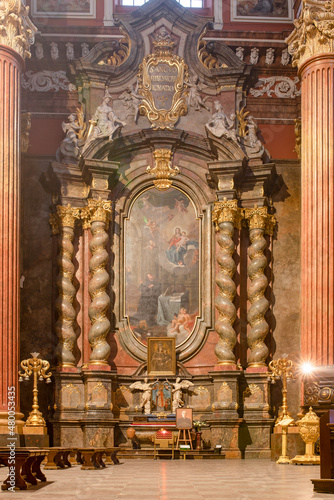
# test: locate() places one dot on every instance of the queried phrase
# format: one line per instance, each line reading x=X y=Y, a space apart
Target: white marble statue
x=178 y=386
x=104 y=122
x=146 y=388
x=221 y=125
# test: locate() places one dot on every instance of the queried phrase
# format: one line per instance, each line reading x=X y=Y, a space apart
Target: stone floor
x=178 y=480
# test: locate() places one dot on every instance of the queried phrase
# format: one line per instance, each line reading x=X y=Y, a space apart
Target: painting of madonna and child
x=162 y=266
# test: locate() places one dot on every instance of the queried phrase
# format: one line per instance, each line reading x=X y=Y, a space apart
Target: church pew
x=26 y=467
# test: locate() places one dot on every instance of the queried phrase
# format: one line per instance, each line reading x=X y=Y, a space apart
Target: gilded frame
x=161 y=352
x=162 y=118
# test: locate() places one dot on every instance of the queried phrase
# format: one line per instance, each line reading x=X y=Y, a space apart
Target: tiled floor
x=178 y=480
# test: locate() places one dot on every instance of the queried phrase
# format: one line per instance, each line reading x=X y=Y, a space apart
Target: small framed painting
x=276 y=11
x=184 y=418
x=64 y=8
x=161 y=357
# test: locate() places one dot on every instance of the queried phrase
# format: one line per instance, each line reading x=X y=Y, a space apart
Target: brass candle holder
x=309 y=429
x=37 y=367
x=283 y=369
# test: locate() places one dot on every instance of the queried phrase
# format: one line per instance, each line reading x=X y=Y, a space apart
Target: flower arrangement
x=199 y=424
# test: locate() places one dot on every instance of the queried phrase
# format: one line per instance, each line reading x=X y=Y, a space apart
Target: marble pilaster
x=17 y=34
x=312 y=47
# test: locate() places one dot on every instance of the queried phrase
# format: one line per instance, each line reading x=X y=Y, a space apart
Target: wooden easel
x=184 y=438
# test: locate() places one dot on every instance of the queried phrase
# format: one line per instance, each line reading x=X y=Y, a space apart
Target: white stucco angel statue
x=221 y=125
x=146 y=388
x=194 y=96
x=104 y=122
x=178 y=386
x=69 y=147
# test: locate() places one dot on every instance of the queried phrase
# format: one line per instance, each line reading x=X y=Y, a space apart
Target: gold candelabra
x=283 y=369
x=39 y=368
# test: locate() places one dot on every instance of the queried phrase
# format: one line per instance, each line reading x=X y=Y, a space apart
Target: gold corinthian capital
x=226 y=211
x=258 y=218
x=314 y=31
x=67 y=215
x=96 y=211
x=17 y=30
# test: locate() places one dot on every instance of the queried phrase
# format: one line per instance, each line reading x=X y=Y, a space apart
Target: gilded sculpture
x=162 y=169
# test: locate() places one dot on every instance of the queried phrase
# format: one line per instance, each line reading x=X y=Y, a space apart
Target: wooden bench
x=58 y=458
x=26 y=467
x=93 y=457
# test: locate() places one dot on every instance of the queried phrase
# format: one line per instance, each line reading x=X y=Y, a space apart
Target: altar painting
x=267 y=10
x=162 y=259
x=64 y=8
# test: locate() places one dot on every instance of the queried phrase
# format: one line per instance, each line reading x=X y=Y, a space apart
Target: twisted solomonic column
x=64 y=302
x=260 y=222
x=99 y=214
x=226 y=216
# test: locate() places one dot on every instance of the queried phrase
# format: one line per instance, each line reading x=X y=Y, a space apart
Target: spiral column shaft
x=226 y=216
x=64 y=302
x=99 y=214
x=260 y=222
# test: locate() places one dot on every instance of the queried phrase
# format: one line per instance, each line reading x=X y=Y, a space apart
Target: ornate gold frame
x=151 y=343
x=161 y=118
x=200 y=305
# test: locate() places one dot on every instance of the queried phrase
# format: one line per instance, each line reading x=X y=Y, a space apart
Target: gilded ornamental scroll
x=161 y=83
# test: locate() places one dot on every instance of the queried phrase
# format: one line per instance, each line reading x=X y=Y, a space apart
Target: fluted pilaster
x=312 y=47
x=259 y=222
x=14 y=34
x=226 y=216
x=98 y=212
x=64 y=302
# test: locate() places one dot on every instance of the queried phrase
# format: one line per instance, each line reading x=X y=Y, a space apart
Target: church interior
x=198 y=134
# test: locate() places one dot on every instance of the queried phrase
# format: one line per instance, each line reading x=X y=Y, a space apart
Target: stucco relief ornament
x=314 y=31
x=254 y=55
x=161 y=83
x=279 y=86
x=220 y=125
x=45 y=80
x=16 y=29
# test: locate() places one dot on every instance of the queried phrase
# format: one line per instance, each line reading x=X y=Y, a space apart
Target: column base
x=18 y=423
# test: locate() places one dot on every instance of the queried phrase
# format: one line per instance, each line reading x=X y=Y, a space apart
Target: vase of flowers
x=198 y=428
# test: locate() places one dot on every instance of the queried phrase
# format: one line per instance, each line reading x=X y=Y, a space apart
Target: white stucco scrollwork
x=279 y=86
x=44 y=81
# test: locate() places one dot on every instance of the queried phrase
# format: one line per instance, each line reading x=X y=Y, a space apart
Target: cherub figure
x=181 y=319
x=146 y=388
x=194 y=96
x=177 y=392
x=69 y=147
